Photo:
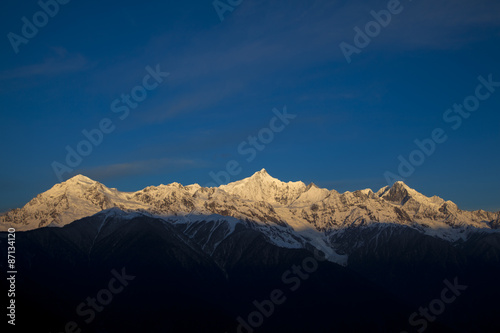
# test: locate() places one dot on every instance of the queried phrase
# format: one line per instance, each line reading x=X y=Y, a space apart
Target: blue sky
x=352 y=120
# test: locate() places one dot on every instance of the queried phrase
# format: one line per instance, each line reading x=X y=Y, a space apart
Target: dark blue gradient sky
x=352 y=120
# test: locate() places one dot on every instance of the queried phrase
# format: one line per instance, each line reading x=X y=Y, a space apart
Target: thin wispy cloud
x=428 y=25
x=151 y=166
x=52 y=66
x=201 y=99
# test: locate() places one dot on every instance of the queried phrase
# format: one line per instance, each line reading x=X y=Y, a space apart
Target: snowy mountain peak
x=80 y=179
x=399 y=192
x=402 y=194
x=262 y=174
x=400 y=183
x=311 y=185
x=263 y=171
x=263 y=187
x=401 y=186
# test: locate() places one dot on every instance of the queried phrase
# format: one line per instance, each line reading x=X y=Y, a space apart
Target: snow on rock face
x=496 y=223
x=260 y=198
x=398 y=193
x=166 y=199
x=262 y=187
x=75 y=198
x=311 y=194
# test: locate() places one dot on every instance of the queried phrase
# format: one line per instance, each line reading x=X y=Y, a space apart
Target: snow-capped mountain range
x=291 y=214
x=225 y=248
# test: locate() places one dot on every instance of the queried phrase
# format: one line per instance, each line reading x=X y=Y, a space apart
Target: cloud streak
x=138 y=168
x=49 y=67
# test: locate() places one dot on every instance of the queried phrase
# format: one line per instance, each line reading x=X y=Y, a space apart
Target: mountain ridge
x=225 y=248
x=304 y=208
